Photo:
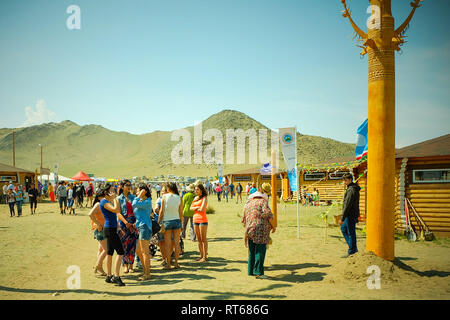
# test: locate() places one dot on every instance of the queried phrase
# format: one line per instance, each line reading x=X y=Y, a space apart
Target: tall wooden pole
x=14 y=148
x=274 y=189
x=380 y=43
x=41 y=157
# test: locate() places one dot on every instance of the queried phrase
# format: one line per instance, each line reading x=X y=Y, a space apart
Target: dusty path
x=37 y=250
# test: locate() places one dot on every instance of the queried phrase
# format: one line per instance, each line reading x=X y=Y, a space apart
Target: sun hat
x=266 y=188
x=190 y=188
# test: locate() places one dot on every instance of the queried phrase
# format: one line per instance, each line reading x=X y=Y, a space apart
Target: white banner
x=288 y=140
x=220 y=173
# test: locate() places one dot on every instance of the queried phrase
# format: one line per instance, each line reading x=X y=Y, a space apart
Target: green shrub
x=210 y=210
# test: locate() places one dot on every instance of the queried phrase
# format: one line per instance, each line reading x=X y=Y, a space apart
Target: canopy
x=51 y=178
x=81 y=176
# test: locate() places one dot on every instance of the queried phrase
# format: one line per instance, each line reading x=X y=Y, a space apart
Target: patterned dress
x=130 y=237
x=256 y=220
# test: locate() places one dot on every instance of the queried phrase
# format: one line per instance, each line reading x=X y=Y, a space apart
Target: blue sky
x=146 y=65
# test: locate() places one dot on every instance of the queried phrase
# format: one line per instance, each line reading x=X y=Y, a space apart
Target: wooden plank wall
x=431 y=200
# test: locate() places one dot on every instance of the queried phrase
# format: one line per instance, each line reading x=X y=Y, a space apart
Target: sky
x=146 y=65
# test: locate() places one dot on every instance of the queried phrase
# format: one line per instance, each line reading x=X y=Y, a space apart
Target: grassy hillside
x=106 y=153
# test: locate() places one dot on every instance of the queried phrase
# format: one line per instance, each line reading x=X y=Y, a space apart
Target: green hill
x=107 y=153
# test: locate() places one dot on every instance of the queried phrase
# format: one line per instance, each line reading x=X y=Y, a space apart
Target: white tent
x=51 y=178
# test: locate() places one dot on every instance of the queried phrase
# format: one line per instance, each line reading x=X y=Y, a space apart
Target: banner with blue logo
x=288 y=139
x=362 y=142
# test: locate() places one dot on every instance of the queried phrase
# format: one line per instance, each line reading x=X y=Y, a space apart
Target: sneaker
x=108 y=279
x=117 y=281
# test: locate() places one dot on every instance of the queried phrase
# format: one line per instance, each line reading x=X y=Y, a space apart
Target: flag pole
x=298 y=210
x=297 y=185
x=274 y=189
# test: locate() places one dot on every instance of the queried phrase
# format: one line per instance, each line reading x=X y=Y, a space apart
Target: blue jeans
x=185 y=222
x=348 y=228
x=19 y=207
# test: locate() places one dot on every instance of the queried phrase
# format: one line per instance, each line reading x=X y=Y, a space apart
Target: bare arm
x=204 y=204
x=180 y=210
x=161 y=211
x=116 y=209
x=91 y=214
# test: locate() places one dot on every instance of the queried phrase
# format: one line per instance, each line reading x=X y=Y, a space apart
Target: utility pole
x=14 y=148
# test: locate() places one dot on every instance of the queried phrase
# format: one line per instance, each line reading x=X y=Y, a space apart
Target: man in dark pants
x=350 y=214
x=33 y=194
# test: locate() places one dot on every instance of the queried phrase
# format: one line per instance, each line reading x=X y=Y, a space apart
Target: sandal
x=144 y=278
x=99 y=270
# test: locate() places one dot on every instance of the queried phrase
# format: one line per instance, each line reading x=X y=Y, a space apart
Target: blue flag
x=266 y=169
x=362 y=143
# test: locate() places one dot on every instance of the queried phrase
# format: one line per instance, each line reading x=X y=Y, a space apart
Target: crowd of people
x=14 y=196
x=126 y=221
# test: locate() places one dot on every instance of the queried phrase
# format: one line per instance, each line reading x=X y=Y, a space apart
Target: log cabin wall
x=329 y=190
x=431 y=200
x=360 y=174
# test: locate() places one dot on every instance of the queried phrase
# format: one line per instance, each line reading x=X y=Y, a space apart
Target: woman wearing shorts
x=110 y=208
x=170 y=216
x=98 y=222
x=70 y=199
x=200 y=220
x=142 y=208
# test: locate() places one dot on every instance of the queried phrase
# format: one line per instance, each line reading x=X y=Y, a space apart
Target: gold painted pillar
x=380 y=43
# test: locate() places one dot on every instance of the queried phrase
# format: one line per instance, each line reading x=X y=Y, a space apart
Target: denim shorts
x=70 y=202
x=99 y=235
x=172 y=224
x=201 y=224
x=144 y=232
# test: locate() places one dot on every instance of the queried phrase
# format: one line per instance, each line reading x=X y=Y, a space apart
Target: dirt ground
x=38 y=250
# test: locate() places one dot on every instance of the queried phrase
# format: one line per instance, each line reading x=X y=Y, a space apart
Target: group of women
x=128 y=224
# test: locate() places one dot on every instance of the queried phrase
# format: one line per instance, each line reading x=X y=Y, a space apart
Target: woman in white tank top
x=170 y=216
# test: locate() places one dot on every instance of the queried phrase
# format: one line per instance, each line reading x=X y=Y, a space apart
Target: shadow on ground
x=210 y=294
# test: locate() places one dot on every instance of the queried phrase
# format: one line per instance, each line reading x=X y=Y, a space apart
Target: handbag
x=155 y=227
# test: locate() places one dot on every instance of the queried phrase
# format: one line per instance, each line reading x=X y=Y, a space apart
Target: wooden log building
x=16 y=175
x=253 y=175
x=423 y=176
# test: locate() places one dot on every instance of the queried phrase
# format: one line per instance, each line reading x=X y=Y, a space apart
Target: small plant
x=210 y=210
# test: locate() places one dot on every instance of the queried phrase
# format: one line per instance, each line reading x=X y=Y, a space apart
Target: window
x=8 y=178
x=431 y=176
x=269 y=177
x=336 y=175
x=314 y=176
x=242 y=178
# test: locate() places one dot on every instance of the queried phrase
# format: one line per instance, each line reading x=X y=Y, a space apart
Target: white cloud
x=40 y=114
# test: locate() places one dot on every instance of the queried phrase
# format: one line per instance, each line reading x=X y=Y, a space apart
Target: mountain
x=106 y=153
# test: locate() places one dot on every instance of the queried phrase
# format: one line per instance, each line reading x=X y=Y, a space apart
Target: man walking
x=188 y=214
x=61 y=192
x=33 y=194
x=350 y=214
